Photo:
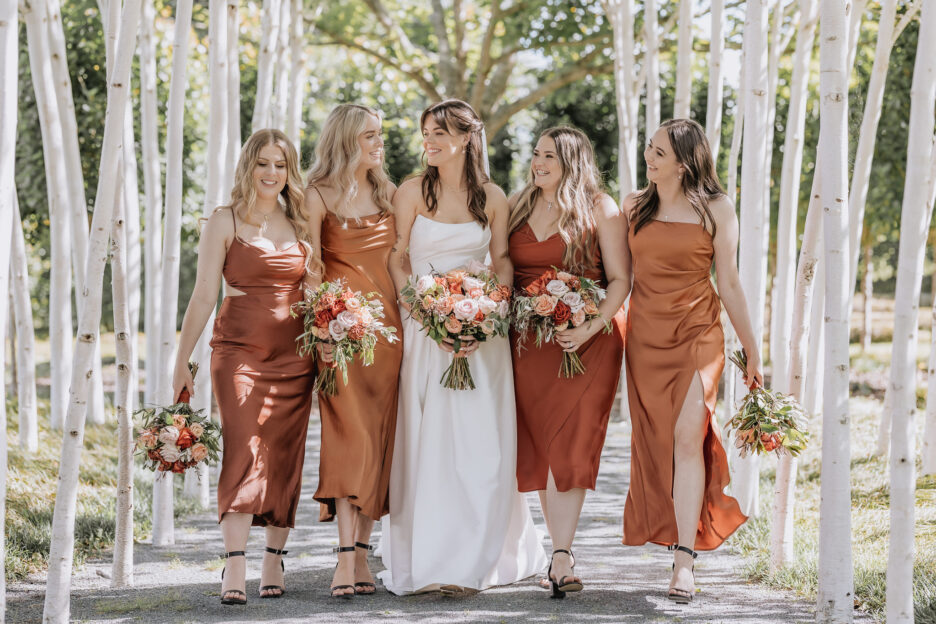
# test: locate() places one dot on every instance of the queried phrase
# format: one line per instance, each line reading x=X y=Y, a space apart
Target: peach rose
x=353 y=304
x=453 y=325
x=578 y=318
x=357 y=332
x=178 y=420
x=565 y=277
x=147 y=439
x=197 y=430
x=590 y=308
x=544 y=305
x=199 y=452
x=488 y=327
x=347 y=295
x=445 y=305
x=427 y=302
x=476 y=293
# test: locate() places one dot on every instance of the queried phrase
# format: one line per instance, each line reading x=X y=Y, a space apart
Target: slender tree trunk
x=9 y=79
x=754 y=215
x=684 y=62
x=836 y=587
x=621 y=15
x=131 y=198
x=914 y=227
x=297 y=76
x=652 y=61
x=713 y=112
x=152 y=190
x=233 y=89
x=815 y=361
x=781 y=530
x=122 y=568
x=60 y=317
x=282 y=66
x=855 y=17
x=874 y=102
x=163 y=525
x=89 y=318
x=25 y=345
x=735 y=150
x=269 y=35
x=929 y=435
x=866 y=292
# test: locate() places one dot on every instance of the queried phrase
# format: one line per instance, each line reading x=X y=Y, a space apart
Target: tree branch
x=392 y=27
x=484 y=64
x=905 y=20
x=446 y=68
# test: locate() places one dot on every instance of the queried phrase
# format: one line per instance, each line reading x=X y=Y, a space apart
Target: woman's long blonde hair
x=579 y=187
x=244 y=192
x=337 y=155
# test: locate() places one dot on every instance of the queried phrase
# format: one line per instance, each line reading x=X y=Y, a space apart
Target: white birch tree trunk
x=152 y=191
x=815 y=361
x=914 y=227
x=9 y=81
x=122 y=568
x=621 y=15
x=681 y=109
x=269 y=36
x=53 y=151
x=56 y=608
x=25 y=332
x=297 y=76
x=713 y=112
x=163 y=524
x=282 y=66
x=855 y=17
x=233 y=88
x=652 y=61
x=867 y=290
x=131 y=202
x=835 y=602
x=928 y=451
x=754 y=217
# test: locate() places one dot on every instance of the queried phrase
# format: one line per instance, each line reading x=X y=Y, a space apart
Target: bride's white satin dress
x=456 y=517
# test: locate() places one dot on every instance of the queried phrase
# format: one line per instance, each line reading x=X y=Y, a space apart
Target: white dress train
x=456 y=517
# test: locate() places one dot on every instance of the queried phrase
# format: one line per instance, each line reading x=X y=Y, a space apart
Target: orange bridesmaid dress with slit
x=262 y=386
x=561 y=422
x=359 y=422
x=674 y=332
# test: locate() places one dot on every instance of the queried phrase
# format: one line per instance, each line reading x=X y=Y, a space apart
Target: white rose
x=169 y=435
x=466 y=309
x=170 y=452
x=347 y=318
x=557 y=288
x=574 y=301
x=476 y=266
x=503 y=308
x=423 y=284
x=337 y=330
x=486 y=305
x=470 y=283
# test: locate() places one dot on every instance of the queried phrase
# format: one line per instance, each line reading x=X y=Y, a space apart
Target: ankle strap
x=341 y=549
x=275 y=551
x=234 y=553
x=363 y=546
x=684 y=549
x=562 y=550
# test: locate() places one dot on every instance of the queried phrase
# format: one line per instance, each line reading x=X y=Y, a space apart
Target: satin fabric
x=674 y=332
x=262 y=386
x=561 y=423
x=455 y=514
x=358 y=423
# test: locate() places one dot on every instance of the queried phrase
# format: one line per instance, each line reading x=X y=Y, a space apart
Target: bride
x=456 y=519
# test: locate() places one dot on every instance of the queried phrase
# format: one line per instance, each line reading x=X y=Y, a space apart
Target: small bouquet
x=552 y=303
x=333 y=314
x=466 y=302
x=176 y=438
x=766 y=420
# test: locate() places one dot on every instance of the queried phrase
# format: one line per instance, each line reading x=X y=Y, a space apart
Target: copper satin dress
x=561 y=423
x=674 y=331
x=262 y=386
x=359 y=423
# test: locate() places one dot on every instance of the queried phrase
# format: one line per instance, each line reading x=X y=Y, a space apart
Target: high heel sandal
x=682 y=596
x=281 y=589
x=364 y=584
x=241 y=597
x=566 y=583
x=339 y=550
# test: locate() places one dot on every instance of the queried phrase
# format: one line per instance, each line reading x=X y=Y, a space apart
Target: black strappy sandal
x=281 y=589
x=682 y=596
x=240 y=597
x=566 y=583
x=339 y=550
x=364 y=584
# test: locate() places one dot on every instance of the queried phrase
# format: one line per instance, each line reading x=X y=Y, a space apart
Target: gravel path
x=180 y=583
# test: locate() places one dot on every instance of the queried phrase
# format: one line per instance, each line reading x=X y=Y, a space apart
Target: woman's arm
x=316 y=210
x=615 y=256
x=406 y=203
x=499 y=215
x=729 y=285
x=216 y=237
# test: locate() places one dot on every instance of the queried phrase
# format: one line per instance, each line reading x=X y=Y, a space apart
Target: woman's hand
x=573 y=338
x=468 y=346
x=754 y=375
x=182 y=380
x=326 y=352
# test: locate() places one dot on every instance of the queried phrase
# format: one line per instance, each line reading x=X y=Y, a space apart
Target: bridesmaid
x=348 y=198
x=263 y=388
x=679 y=225
x=563 y=219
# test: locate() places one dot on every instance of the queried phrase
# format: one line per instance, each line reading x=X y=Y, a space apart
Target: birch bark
x=652 y=61
x=928 y=451
x=25 y=332
x=282 y=66
x=233 y=89
x=297 y=76
x=681 y=108
x=713 y=112
x=621 y=15
x=269 y=35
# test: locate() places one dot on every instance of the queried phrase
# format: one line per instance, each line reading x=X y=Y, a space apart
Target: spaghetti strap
x=234 y=219
x=324 y=203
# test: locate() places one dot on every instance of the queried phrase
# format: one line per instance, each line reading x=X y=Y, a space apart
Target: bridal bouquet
x=336 y=315
x=553 y=302
x=766 y=420
x=466 y=302
x=176 y=438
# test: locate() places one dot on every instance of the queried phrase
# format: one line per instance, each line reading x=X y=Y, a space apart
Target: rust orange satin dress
x=674 y=331
x=262 y=386
x=561 y=423
x=359 y=422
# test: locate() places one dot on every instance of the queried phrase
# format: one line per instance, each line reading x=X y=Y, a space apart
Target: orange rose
x=326 y=301
x=561 y=314
x=178 y=467
x=453 y=325
x=501 y=293
x=475 y=293
x=575 y=283
x=544 y=305
x=147 y=439
x=357 y=332
x=186 y=438
x=322 y=318
x=347 y=294
x=590 y=308
x=338 y=307
x=479 y=316
x=536 y=287
x=178 y=420
x=199 y=452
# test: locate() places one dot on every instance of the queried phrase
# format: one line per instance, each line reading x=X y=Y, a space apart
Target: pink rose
x=169 y=435
x=445 y=305
x=170 y=453
x=353 y=304
x=466 y=309
x=556 y=288
x=573 y=300
x=336 y=330
x=348 y=319
x=486 y=305
x=544 y=305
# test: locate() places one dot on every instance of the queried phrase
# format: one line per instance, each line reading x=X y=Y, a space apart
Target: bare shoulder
x=494 y=192
x=220 y=223
x=314 y=203
x=409 y=190
x=629 y=205
x=723 y=210
x=605 y=207
x=512 y=199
